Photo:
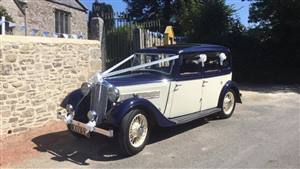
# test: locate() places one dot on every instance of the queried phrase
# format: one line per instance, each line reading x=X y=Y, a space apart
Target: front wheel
x=134 y=132
x=228 y=104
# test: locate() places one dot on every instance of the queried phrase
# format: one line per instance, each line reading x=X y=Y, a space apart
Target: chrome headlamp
x=92 y=115
x=113 y=93
x=70 y=109
x=85 y=88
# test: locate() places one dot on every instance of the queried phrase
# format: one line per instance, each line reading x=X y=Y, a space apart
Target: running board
x=194 y=116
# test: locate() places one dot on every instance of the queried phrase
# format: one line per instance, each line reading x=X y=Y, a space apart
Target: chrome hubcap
x=138 y=130
x=228 y=103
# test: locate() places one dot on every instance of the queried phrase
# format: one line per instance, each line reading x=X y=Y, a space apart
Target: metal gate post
x=137 y=39
x=3 y=25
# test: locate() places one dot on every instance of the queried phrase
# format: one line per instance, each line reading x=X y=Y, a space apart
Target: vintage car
x=161 y=86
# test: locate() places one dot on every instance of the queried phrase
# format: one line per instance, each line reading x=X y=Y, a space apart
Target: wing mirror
x=202 y=59
x=222 y=57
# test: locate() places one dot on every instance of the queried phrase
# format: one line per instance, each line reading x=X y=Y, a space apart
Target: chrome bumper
x=69 y=120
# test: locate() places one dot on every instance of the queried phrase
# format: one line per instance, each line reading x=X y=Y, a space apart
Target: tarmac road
x=264 y=132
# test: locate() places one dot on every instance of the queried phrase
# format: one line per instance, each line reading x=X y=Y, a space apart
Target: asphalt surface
x=264 y=132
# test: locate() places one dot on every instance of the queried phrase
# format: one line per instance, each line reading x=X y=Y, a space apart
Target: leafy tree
x=194 y=18
x=278 y=19
x=4 y=13
x=276 y=24
x=146 y=10
x=208 y=21
x=187 y=14
x=105 y=11
x=141 y=10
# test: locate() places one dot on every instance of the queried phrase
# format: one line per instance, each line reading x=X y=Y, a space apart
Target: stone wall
x=41 y=16
x=35 y=75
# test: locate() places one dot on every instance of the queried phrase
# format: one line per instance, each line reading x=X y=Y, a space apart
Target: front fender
x=230 y=85
x=73 y=98
x=123 y=108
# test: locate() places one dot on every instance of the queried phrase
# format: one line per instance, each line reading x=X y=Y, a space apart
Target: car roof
x=185 y=49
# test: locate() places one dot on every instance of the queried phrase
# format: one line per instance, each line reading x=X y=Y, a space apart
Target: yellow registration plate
x=80 y=130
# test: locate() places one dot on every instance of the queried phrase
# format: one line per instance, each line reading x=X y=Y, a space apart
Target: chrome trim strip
x=149 y=95
x=145 y=95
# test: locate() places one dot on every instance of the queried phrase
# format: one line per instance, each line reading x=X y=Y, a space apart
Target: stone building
x=47 y=17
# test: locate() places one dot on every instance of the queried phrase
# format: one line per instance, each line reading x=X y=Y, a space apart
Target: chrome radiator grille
x=99 y=100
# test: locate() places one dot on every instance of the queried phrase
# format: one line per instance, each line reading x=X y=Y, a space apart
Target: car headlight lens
x=113 y=93
x=92 y=115
x=85 y=88
x=69 y=108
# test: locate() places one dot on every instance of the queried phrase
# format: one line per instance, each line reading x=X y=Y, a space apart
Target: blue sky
x=242 y=7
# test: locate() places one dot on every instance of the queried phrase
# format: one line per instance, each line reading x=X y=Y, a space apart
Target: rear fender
x=230 y=85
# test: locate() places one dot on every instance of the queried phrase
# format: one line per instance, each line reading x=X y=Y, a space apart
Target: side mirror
x=222 y=57
x=202 y=59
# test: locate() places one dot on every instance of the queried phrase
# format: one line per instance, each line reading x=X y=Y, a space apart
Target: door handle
x=177 y=86
x=204 y=82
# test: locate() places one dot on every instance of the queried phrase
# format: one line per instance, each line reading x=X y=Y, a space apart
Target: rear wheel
x=228 y=104
x=134 y=132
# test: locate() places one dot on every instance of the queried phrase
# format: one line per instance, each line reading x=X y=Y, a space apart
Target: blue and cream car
x=161 y=86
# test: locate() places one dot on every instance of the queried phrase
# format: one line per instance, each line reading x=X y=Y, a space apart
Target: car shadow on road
x=65 y=147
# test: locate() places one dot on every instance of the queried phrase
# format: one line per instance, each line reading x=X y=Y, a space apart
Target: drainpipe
x=23 y=5
x=24 y=8
x=25 y=19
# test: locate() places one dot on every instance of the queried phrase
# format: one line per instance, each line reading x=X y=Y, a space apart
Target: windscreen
x=163 y=67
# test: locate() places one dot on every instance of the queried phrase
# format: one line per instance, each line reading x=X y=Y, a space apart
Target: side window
x=227 y=62
x=190 y=64
x=213 y=62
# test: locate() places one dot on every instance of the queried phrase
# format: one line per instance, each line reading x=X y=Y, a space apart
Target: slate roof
x=76 y=4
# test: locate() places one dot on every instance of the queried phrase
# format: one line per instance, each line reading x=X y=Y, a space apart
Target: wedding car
x=161 y=86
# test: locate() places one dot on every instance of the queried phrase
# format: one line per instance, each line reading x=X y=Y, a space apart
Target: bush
x=4 y=13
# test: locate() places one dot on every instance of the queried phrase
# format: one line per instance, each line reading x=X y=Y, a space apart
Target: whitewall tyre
x=134 y=132
x=228 y=104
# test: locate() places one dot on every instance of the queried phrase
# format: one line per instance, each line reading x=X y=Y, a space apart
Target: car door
x=214 y=78
x=185 y=90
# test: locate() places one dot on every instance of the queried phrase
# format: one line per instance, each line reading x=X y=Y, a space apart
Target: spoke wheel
x=138 y=130
x=227 y=104
x=134 y=132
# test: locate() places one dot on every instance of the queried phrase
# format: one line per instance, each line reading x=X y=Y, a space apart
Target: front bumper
x=69 y=120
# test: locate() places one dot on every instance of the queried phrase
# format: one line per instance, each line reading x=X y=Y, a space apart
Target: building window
x=62 y=22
